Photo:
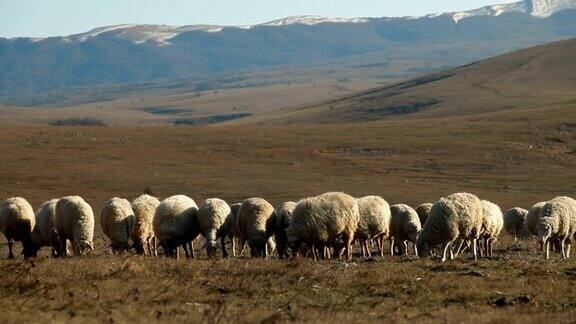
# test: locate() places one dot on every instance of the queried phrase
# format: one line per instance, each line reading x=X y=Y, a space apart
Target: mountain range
x=143 y=53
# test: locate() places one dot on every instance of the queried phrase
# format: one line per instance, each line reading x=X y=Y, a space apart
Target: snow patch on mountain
x=536 y=8
x=313 y=20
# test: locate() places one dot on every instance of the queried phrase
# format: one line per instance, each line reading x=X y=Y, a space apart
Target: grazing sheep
x=374 y=223
x=75 y=222
x=142 y=234
x=533 y=216
x=17 y=223
x=117 y=220
x=423 y=212
x=458 y=216
x=557 y=221
x=230 y=230
x=176 y=224
x=211 y=216
x=251 y=223
x=324 y=220
x=492 y=223
x=404 y=227
x=277 y=225
x=515 y=222
x=45 y=233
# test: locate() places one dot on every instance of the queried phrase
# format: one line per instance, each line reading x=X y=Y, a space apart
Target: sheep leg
x=563 y=249
x=348 y=242
x=363 y=248
x=186 y=252
x=415 y=249
x=446 y=247
x=10 y=246
x=392 y=246
x=223 y=244
x=474 y=245
x=547 y=249
x=404 y=248
x=155 y=246
x=368 y=247
x=242 y=246
x=568 y=250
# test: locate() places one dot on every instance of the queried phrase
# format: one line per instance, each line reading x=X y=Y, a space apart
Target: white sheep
x=277 y=225
x=75 y=223
x=557 y=221
x=533 y=216
x=211 y=216
x=176 y=224
x=458 y=216
x=45 y=232
x=117 y=220
x=404 y=227
x=230 y=230
x=374 y=223
x=423 y=212
x=328 y=219
x=251 y=223
x=515 y=222
x=492 y=223
x=17 y=223
x=142 y=234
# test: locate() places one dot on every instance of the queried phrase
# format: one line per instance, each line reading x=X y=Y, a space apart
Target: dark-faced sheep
x=277 y=225
x=45 y=232
x=17 y=221
x=176 y=224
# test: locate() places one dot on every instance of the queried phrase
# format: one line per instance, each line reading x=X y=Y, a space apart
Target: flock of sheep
x=322 y=227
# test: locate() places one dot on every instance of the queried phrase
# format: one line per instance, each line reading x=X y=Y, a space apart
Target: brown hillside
x=535 y=77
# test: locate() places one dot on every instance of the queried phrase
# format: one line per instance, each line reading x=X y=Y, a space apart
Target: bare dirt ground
x=513 y=158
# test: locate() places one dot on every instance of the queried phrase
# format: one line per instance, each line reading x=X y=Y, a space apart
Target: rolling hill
x=125 y=54
x=541 y=76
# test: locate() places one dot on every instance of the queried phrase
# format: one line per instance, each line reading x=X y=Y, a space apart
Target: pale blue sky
x=41 y=18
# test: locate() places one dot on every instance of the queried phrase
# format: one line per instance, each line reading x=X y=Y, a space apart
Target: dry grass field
x=512 y=158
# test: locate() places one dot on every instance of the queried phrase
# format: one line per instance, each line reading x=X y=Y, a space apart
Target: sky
x=42 y=18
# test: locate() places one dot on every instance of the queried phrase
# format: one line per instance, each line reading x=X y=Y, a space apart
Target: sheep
x=515 y=222
x=324 y=219
x=277 y=224
x=374 y=223
x=230 y=230
x=17 y=222
x=251 y=224
x=175 y=224
x=142 y=234
x=423 y=212
x=533 y=216
x=404 y=226
x=557 y=221
x=492 y=223
x=75 y=222
x=45 y=233
x=457 y=216
x=117 y=220
x=211 y=216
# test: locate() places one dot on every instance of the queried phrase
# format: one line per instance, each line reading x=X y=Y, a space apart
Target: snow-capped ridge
x=313 y=20
x=535 y=8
